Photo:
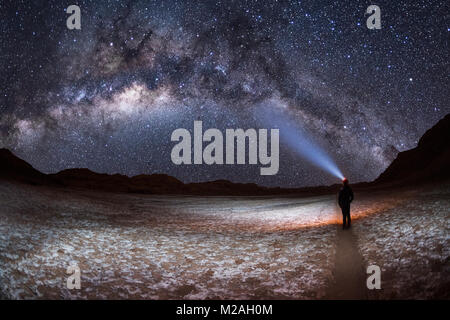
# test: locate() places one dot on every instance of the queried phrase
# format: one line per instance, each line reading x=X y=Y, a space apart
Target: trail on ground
x=349 y=275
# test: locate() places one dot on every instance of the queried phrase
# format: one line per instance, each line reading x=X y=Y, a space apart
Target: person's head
x=345 y=181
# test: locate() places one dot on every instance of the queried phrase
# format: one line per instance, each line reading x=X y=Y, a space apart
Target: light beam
x=301 y=142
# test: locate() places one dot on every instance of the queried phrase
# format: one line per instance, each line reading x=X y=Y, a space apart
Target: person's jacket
x=345 y=196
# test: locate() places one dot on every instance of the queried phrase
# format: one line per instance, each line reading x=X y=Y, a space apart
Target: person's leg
x=346 y=213
x=343 y=220
x=349 y=219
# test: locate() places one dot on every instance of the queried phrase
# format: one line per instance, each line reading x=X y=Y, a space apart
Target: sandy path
x=349 y=276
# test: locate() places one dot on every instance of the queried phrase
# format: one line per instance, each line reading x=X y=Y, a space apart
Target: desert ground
x=131 y=246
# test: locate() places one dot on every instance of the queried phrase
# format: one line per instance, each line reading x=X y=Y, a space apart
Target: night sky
x=108 y=96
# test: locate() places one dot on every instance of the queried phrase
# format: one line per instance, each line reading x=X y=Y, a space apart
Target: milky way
x=108 y=96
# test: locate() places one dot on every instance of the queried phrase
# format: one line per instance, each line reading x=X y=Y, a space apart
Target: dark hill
x=85 y=178
x=429 y=161
x=14 y=168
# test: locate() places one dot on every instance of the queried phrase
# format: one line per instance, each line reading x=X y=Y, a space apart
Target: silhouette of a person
x=345 y=198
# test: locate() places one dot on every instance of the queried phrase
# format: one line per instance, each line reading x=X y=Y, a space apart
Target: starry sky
x=107 y=97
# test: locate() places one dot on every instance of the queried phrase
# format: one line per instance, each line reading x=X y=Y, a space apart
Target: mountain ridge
x=429 y=161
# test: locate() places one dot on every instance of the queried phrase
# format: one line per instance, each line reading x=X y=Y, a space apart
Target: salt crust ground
x=172 y=247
